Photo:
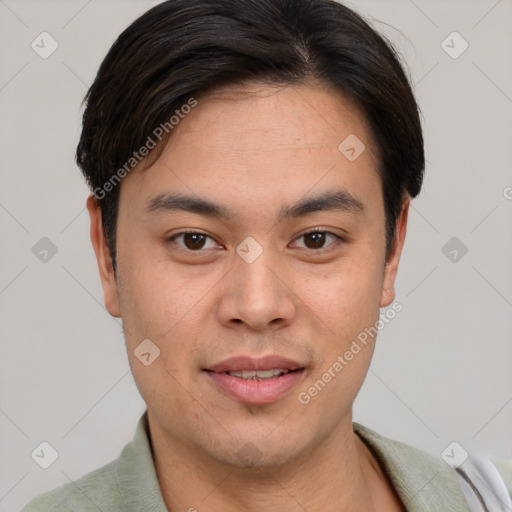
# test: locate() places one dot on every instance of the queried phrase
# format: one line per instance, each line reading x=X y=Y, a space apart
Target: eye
x=193 y=241
x=316 y=239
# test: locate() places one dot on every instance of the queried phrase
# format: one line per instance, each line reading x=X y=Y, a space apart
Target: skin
x=255 y=150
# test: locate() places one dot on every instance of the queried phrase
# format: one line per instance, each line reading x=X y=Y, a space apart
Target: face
x=253 y=243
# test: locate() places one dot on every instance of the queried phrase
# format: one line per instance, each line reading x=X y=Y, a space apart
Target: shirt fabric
x=129 y=483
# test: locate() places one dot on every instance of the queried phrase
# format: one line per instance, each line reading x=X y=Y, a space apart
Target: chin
x=257 y=451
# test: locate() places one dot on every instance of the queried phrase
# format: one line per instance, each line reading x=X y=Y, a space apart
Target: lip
x=255 y=392
x=239 y=363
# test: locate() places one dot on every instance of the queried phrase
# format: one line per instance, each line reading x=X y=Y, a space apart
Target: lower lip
x=256 y=392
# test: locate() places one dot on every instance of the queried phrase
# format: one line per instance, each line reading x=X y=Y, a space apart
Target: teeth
x=257 y=375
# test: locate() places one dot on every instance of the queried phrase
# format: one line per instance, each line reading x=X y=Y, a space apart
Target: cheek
x=153 y=311
x=152 y=300
x=160 y=306
x=347 y=299
x=345 y=307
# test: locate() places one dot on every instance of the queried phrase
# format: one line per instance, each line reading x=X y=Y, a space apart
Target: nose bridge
x=258 y=277
x=256 y=293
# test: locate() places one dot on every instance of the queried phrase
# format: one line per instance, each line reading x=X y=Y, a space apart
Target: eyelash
x=338 y=238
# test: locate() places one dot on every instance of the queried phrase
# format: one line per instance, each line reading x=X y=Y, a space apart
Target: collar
x=136 y=474
x=423 y=483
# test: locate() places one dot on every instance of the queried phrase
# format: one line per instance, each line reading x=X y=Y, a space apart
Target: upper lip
x=239 y=363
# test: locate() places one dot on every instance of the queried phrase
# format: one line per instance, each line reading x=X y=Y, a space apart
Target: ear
x=391 y=267
x=106 y=270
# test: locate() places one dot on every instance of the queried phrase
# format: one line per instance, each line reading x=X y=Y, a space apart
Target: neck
x=338 y=474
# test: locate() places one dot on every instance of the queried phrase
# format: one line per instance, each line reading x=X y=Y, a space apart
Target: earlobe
x=391 y=267
x=103 y=258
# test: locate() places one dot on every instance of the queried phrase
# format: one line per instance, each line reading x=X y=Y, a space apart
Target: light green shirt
x=129 y=483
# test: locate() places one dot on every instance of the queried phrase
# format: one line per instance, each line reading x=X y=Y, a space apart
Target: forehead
x=257 y=119
x=262 y=142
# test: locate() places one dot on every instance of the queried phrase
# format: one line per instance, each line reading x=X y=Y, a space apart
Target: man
x=252 y=164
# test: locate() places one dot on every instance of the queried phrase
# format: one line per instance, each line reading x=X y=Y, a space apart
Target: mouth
x=255 y=381
x=261 y=374
x=259 y=365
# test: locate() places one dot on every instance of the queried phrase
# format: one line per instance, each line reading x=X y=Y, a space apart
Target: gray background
x=441 y=371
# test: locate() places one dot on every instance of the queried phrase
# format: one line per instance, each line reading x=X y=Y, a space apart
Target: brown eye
x=193 y=241
x=316 y=240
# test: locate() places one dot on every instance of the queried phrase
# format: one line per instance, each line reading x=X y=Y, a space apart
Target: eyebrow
x=339 y=200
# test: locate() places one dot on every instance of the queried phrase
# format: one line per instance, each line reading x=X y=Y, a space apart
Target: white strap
x=482 y=485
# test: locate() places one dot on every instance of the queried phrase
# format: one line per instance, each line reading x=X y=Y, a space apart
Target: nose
x=257 y=294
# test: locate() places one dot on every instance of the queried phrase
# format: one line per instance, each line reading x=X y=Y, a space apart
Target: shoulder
x=95 y=491
x=424 y=482
x=127 y=484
